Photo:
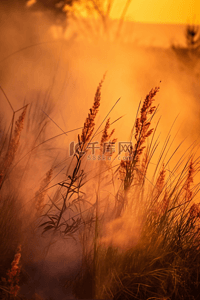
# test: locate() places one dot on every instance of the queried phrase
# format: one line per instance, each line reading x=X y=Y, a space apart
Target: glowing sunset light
x=159 y=11
x=99 y=149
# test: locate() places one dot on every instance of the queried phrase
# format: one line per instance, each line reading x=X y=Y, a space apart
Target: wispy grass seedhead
x=160 y=181
x=107 y=142
x=11 y=283
x=89 y=123
x=41 y=193
x=189 y=181
x=107 y=136
x=74 y=182
x=142 y=132
x=13 y=144
x=140 y=237
x=194 y=211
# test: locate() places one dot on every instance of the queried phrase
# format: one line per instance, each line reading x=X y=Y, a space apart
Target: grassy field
x=96 y=177
x=137 y=222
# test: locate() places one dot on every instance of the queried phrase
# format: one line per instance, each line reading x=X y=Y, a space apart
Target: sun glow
x=160 y=11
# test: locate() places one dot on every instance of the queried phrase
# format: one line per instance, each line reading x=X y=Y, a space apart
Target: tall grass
x=16 y=167
x=139 y=234
x=149 y=249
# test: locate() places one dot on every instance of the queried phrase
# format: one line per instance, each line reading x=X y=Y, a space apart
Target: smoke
x=123 y=232
x=59 y=78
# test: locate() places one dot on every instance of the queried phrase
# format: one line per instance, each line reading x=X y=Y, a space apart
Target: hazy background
x=57 y=68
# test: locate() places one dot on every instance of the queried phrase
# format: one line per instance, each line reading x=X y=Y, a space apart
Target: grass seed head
x=14 y=144
x=161 y=180
x=89 y=123
x=13 y=274
x=19 y=124
x=41 y=193
x=189 y=181
x=142 y=132
x=194 y=211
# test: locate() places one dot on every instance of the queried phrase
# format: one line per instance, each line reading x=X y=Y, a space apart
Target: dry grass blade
x=142 y=132
x=41 y=193
x=74 y=182
x=12 y=282
x=89 y=123
x=13 y=145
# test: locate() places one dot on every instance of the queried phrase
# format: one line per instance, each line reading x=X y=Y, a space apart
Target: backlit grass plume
x=142 y=132
x=11 y=283
x=130 y=167
x=13 y=144
x=105 y=135
x=140 y=236
x=189 y=181
x=107 y=143
x=71 y=194
x=89 y=123
x=41 y=193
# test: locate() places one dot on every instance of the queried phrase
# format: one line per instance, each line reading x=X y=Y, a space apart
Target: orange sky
x=155 y=11
x=160 y=11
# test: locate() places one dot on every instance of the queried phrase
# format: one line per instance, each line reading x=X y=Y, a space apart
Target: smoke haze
x=58 y=79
